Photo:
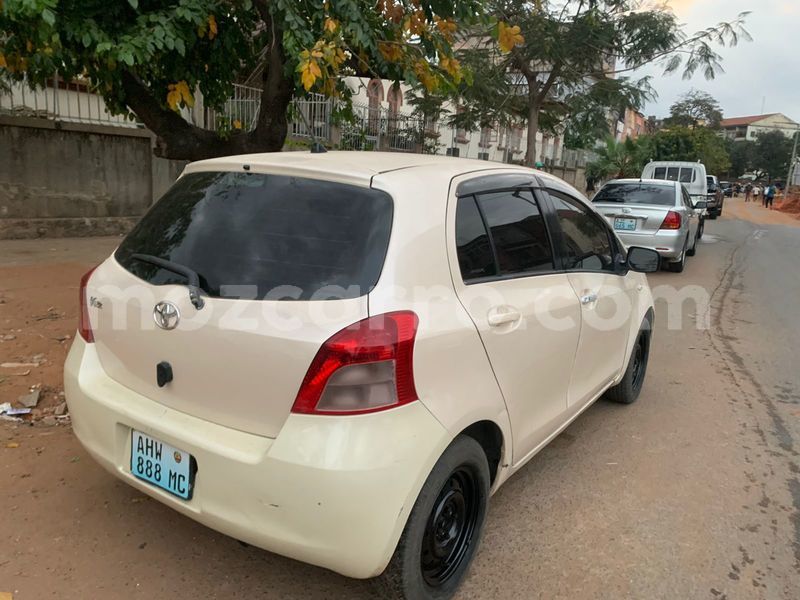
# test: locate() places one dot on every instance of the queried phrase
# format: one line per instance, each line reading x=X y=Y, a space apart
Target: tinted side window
x=673 y=173
x=518 y=231
x=687 y=175
x=588 y=246
x=660 y=173
x=475 y=257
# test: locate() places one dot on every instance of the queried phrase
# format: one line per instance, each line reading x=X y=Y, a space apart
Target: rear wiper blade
x=168 y=265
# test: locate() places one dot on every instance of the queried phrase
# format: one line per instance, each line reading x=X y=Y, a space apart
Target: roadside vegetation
x=692 y=133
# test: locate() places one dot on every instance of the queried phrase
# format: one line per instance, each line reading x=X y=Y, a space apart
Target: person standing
x=769 y=196
x=748 y=192
x=756 y=192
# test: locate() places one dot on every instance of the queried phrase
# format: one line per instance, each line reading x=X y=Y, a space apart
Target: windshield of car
x=252 y=235
x=636 y=193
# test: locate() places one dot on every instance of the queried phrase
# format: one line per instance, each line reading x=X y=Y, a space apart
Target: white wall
x=470 y=147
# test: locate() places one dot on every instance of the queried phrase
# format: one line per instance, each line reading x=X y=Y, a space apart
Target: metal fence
x=60 y=100
x=240 y=111
x=311 y=115
x=370 y=128
x=373 y=128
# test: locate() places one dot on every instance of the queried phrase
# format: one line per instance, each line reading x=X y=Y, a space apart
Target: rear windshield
x=636 y=193
x=684 y=174
x=285 y=238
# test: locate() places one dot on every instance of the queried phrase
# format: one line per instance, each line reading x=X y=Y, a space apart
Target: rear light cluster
x=672 y=221
x=84 y=325
x=363 y=368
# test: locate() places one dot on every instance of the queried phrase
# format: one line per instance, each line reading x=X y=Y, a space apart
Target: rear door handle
x=588 y=299
x=496 y=319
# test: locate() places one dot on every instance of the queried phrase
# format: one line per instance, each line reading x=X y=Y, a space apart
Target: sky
x=766 y=70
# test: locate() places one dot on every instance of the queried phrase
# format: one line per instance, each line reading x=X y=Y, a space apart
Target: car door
x=525 y=311
x=692 y=215
x=590 y=257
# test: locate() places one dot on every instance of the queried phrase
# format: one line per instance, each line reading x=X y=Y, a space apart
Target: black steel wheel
x=444 y=528
x=451 y=525
x=629 y=387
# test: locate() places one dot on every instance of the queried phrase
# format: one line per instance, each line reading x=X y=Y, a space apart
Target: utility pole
x=792 y=164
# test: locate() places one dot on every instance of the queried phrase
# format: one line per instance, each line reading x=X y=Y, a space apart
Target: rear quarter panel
x=451 y=370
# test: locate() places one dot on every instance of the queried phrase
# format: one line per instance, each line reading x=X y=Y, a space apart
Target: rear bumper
x=331 y=491
x=668 y=243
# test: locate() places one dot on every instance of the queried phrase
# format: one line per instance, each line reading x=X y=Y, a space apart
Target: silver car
x=655 y=214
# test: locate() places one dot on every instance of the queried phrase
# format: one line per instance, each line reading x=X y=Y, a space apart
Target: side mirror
x=643 y=260
x=701 y=204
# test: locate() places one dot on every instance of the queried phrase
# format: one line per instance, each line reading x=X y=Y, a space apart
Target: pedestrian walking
x=756 y=193
x=769 y=196
x=748 y=192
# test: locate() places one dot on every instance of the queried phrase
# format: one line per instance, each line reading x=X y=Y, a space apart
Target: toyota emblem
x=166 y=315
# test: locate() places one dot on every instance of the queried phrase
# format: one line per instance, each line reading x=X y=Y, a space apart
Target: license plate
x=162 y=465
x=625 y=224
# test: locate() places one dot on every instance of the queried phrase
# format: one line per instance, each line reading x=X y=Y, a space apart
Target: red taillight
x=84 y=325
x=363 y=368
x=672 y=221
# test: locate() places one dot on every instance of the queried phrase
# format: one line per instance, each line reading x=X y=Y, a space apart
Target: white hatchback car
x=339 y=356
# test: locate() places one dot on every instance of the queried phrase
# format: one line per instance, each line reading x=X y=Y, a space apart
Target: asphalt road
x=692 y=492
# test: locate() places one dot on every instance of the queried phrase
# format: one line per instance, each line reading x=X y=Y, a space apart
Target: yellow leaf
x=331 y=25
x=237 y=124
x=308 y=79
x=3 y=60
x=212 y=27
x=313 y=67
x=390 y=51
x=173 y=98
x=179 y=93
x=508 y=36
x=29 y=45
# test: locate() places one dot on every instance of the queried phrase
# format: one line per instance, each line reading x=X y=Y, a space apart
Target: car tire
x=629 y=387
x=702 y=228
x=693 y=250
x=443 y=529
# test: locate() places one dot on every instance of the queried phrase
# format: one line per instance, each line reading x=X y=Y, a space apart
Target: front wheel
x=443 y=529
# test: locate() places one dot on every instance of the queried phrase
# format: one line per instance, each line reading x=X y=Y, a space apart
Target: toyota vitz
x=339 y=356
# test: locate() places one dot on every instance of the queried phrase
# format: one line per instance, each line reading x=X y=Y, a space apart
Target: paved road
x=693 y=492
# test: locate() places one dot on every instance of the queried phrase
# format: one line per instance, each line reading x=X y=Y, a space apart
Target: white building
x=748 y=128
x=380 y=98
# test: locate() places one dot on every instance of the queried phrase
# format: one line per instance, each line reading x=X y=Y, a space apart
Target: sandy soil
x=692 y=492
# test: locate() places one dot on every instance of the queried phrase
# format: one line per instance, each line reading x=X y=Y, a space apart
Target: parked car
x=655 y=214
x=715 y=195
x=338 y=356
x=727 y=188
x=691 y=175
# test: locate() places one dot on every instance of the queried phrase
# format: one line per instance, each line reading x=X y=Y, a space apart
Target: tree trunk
x=533 y=130
x=178 y=139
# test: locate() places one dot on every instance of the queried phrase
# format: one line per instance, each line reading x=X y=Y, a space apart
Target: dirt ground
x=692 y=492
x=38 y=315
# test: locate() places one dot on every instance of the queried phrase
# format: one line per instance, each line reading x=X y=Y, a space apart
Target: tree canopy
x=569 y=64
x=149 y=56
x=693 y=109
x=772 y=154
